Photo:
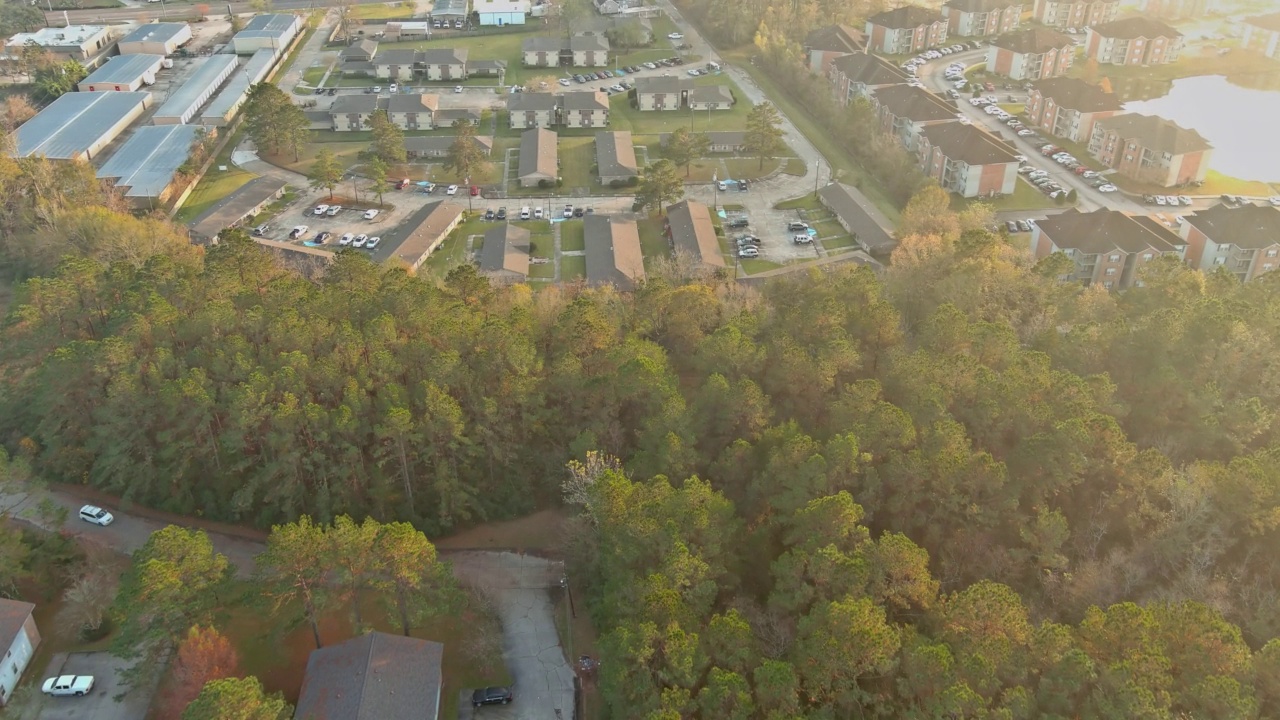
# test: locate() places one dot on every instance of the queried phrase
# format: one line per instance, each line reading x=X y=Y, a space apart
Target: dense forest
x=957 y=489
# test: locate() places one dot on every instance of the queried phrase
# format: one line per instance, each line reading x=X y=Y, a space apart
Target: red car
x=991 y=87
x=475 y=190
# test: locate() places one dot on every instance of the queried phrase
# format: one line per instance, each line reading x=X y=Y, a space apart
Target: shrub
x=544 y=183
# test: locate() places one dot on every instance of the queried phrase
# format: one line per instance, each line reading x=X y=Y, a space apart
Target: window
x=1271 y=253
x=1107 y=284
x=1266 y=266
x=1219 y=261
x=1111 y=271
x=1113 y=258
x=1147 y=256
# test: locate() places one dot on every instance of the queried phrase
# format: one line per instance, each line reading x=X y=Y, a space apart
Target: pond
x=1238 y=122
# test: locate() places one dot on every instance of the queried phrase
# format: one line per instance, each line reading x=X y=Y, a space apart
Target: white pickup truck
x=68 y=685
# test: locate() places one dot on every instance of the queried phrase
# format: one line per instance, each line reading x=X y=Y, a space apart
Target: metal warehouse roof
x=449 y=7
x=253 y=72
x=268 y=26
x=123 y=69
x=70 y=125
x=154 y=32
x=147 y=162
x=192 y=93
x=57 y=36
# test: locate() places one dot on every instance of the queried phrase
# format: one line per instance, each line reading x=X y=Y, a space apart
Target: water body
x=1238 y=122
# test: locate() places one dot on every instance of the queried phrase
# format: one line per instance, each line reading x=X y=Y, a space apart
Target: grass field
x=571 y=236
x=577 y=155
x=216 y=184
x=841 y=242
x=752 y=266
x=808 y=202
x=1025 y=197
x=387 y=11
x=573 y=268
x=653 y=243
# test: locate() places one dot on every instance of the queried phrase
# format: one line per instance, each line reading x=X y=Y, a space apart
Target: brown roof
x=1156 y=133
x=869 y=226
x=423 y=231
x=710 y=94
x=965 y=143
x=836 y=38
x=1135 y=27
x=613 y=251
x=505 y=250
x=1078 y=95
x=413 y=103
x=907 y=16
x=360 y=48
x=596 y=100
x=1266 y=22
x=972 y=6
x=1034 y=41
x=915 y=104
x=442 y=143
x=666 y=85
x=692 y=231
x=236 y=206
x=538 y=153
x=1248 y=226
x=616 y=154
x=372 y=677
x=1101 y=231
x=441 y=56
x=869 y=69
x=13 y=613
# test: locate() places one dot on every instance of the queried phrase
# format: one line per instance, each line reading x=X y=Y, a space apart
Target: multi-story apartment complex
x=904 y=111
x=977 y=18
x=1133 y=41
x=1244 y=241
x=1150 y=149
x=1075 y=13
x=968 y=161
x=1068 y=107
x=1107 y=247
x=908 y=29
x=824 y=45
x=1032 y=54
x=857 y=75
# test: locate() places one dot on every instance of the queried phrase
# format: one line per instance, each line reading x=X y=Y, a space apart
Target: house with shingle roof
x=905 y=30
x=710 y=97
x=539 y=157
x=1032 y=54
x=968 y=161
x=1068 y=107
x=584 y=109
x=1150 y=149
x=825 y=44
x=662 y=93
x=1107 y=247
x=442 y=63
x=857 y=75
x=589 y=49
x=1133 y=41
x=613 y=255
x=1244 y=241
x=504 y=257
x=413 y=112
x=352 y=112
x=904 y=111
x=691 y=232
x=359 y=51
x=373 y=677
x=859 y=217
x=438 y=146
x=979 y=18
x=616 y=157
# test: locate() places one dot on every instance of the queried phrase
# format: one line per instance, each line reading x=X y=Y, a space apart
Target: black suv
x=491 y=696
x=502 y=213
x=738 y=223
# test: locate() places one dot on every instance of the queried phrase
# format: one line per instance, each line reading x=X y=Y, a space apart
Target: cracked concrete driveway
x=520 y=586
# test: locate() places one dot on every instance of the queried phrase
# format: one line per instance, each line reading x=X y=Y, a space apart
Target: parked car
x=475 y=191
x=802 y=239
x=1186 y=201
x=261 y=230
x=68 y=685
x=1024 y=226
x=372 y=243
x=334 y=210
x=537 y=213
x=577 y=212
x=333 y=91
x=675 y=36
x=297 y=232
x=346 y=239
x=738 y=222
x=492 y=696
x=1011 y=226
x=96 y=515
x=748 y=252
x=320 y=210
x=359 y=241
x=568 y=211
x=451 y=190
x=797 y=226
x=370 y=214
x=321 y=237
x=502 y=214
x=565 y=82
x=457 y=88
x=393 y=88
x=525 y=213
x=1107 y=188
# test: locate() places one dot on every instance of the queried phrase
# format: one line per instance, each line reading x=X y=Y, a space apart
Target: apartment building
x=968 y=161
x=857 y=75
x=1069 y=107
x=824 y=45
x=1150 y=149
x=1133 y=41
x=979 y=18
x=905 y=30
x=1107 y=247
x=1262 y=33
x=905 y=111
x=1032 y=54
x=1244 y=241
x=1075 y=13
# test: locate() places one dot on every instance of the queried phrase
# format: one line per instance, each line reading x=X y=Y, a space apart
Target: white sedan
x=451 y=190
x=96 y=515
x=1108 y=188
x=675 y=36
x=565 y=82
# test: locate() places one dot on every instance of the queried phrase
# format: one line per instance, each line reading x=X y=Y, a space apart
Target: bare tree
x=583 y=475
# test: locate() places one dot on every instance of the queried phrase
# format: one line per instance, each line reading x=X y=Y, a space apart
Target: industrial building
x=156 y=39
x=224 y=107
x=123 y=73
x=145 y=165
x=186 y=101
x=78 y=125
x=74 y=42
x=273 y=32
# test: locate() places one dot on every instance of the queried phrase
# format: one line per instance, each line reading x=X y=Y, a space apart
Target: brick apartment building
x=1069 y=107
x=824 y=45
x=1032 y=54
x=1244 y=241
x=978 y=18
x=1133 y=41
x=1262 y=33
x=908 y=29
x=968 y=161
x=1150 y=149
x=857 y=75
x=905 y=111
x=1107 y=247
x=1076 y=14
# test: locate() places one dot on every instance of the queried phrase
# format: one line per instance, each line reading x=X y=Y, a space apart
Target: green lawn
x=751 y=266
x=1025 y=197
x=453 y=251
x=840 y=242
x=653 y=122
x=653 y=243
x=577 y=156
x=384 y=11
x=573 y=268
x=571 y=236
x=828 y=228
x=216 y=184
x=807 y=202
x=314 y=74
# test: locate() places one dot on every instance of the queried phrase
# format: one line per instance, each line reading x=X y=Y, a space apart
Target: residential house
x=978 y=18
x=1262 y=33
x=1068 y=107
x=616 y=157
x=501 y=12
x=17 y=632
x=857 y=75
x=829 y=42
x=397 y=64
x=662 y=93
x=1032 y=54
x=968 y=161
x=541 y=51
x=352 y=112
x=612 y=247
x=359 y=51
x=439 y=146
x=710 y=97
x=486 y=68
x=1150 y=149
x=905 y=30
x=583 y=109
x=721 y=141
x=904 y=111
x=504 y=257
x=531 y=109
x=1133 y=41
x=1075 y=13
x=1107 y=247
x=859 y=217
x=1176 y=9
x=608 y=7
x=539 y=158
x=589 y=50
x=1245 y=241
x=375 y=675
x=442 y=63
x=446 y=117
x=414 y=240
x=693 y=234
x=413 y=112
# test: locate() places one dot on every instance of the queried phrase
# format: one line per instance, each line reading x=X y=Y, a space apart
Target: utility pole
x=817 y=174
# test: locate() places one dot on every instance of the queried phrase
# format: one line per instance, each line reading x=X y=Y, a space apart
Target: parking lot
x=100 y=704
x=348 y=220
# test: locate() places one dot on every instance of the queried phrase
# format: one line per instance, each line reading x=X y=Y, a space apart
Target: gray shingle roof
x=505 y=250
x=441 y=56
x=542 y=44
x=864 y=220
x=836 y=38
x=1135 y=27
x=538 y=153
x=1033 y=42
x=595 y=100
x=613 y=251
x=907 y=16
x=351 y=104
x=710 y=94
x=587 y=43
x=692 y=231
x=396 y=56
x=665 y=85
x=915 y=104
x=1076 y=94
x=1101 y=231
x=533 y=102
x=1249 y=226
x=372 y=677
x=1156 y=133
x=869 y=69
x=965 y=143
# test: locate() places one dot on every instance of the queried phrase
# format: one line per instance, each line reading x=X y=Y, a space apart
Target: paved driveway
x=100 y=704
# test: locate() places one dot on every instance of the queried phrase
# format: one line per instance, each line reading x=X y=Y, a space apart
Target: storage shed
x=156 y=39
x=123 y=73
x=78 y=125
x=273 y=32
x=224 y=107
x=185 y=102
x=145 y=165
